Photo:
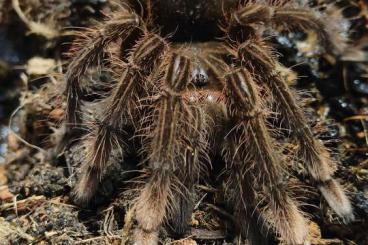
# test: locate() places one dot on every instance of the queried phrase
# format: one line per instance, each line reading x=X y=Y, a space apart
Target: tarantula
x=195 y=78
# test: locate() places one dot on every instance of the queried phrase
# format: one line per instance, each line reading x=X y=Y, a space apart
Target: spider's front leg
x=257 y=162
x=87 y=51
x=175 y=143
x=121 y=110
x=257 y=55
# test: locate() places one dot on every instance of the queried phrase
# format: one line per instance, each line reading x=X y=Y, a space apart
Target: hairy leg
x=175 y=143
x=295 y=16
x=241 y=194
x=87 y=51
x=121 y=106
x=257 y=55
x=260 y=159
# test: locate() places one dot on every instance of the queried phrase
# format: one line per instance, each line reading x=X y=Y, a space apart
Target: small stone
x=57 y=114
x=332 y=133
x=360 y=86
x=185 y=242
x=342 y=107
x=13 y=142
x=3 y=178
x=356 y=78
x=40 y=66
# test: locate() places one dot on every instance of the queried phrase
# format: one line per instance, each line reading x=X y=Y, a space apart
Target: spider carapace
x=196 y=79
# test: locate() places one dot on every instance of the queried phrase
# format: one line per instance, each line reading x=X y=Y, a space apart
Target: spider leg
x=241 y=194
x=87 y=51
x=293 y=16
x=260 y=160
x=257 y=55
x=175 y=143
x=121 y=106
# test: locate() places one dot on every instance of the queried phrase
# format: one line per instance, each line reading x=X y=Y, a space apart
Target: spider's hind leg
x=257 y=161
x=291 y=16
x=176 y=142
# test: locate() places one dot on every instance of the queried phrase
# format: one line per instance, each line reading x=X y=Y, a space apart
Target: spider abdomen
x=191 y=20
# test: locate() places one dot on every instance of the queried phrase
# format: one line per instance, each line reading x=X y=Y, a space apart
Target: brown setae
x=195 y=79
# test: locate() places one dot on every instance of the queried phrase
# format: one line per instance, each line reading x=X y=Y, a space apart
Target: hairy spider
x=208 y=81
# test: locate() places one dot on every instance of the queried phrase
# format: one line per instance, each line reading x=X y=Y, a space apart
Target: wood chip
x=5 y=194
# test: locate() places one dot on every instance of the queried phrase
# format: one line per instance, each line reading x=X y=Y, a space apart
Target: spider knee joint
x=240 y=85
x=252 y=14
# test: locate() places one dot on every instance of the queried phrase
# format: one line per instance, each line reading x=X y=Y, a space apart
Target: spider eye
x=199 y=77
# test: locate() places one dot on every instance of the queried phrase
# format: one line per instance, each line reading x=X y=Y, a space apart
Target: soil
x=36 y=181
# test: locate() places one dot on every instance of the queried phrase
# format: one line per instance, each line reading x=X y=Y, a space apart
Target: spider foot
x=142 y=237
x=86 y=188
x=337 y=200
